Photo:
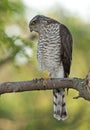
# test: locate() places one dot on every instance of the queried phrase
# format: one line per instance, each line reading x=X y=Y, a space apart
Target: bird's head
x=38 y=22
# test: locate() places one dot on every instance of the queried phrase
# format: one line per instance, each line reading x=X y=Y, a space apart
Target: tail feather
x=60 y=111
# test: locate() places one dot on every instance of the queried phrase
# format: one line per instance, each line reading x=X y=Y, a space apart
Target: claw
x=67 y=90
x=45 y=78
x=44 y=82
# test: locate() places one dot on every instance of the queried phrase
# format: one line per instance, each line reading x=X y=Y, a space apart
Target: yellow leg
x=45 y=77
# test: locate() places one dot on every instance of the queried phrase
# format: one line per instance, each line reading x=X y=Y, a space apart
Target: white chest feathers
x=49 y=48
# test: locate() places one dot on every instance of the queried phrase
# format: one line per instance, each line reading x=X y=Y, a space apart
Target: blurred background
x=18 y=62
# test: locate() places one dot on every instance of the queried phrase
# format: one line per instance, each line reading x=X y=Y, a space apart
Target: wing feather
x=66 y=48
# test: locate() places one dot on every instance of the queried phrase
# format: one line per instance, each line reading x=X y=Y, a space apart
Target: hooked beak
x=30 y=27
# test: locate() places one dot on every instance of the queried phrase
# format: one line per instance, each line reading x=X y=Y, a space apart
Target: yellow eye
x=33 y=23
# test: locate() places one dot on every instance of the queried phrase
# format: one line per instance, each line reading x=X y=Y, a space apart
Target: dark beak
x=30 y=27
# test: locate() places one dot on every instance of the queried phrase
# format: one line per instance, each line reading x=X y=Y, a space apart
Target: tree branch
x=81 y=85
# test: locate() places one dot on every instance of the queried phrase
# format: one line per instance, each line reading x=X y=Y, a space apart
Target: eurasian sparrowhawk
x=54 y=53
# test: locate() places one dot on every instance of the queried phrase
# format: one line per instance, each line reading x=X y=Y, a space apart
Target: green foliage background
x=34 y=110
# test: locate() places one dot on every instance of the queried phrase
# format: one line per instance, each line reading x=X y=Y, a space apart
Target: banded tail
x=60 y=112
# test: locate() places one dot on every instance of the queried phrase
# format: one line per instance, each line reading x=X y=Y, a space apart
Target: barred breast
x=48 y=49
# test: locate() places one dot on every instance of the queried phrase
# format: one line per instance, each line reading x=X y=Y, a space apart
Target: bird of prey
x=54 y=54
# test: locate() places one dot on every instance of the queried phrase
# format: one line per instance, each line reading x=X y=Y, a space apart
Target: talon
x=44 y=83
x=35 y=80
x=77 y=97
x=67 y=90
x=45 y=80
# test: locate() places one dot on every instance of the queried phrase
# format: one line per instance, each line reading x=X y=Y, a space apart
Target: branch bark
x=81 y=85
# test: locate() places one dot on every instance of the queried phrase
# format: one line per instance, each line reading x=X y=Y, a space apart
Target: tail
x=60 y=111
